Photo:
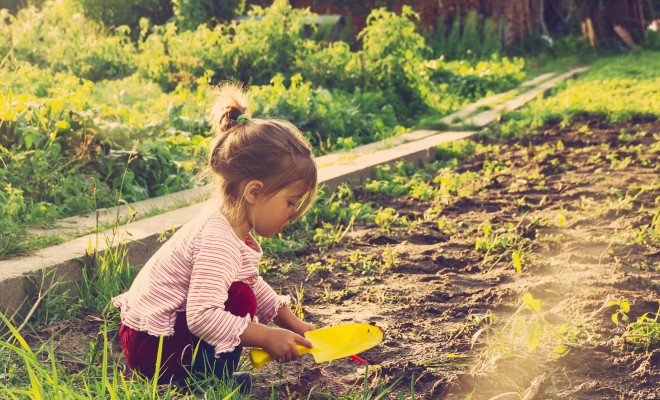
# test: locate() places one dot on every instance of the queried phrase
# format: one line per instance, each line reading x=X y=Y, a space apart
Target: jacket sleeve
x=216 y=261
x=268 y=302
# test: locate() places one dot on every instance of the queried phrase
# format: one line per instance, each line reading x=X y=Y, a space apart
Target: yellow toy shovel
x=331 y=343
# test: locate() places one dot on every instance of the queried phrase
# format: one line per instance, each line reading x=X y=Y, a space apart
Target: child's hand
x=281 y=344
x=303 y=327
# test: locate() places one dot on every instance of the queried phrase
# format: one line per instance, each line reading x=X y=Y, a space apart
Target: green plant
x=524 y=332
x=298 y=294
x=363 y=263
x=505 y=241
x=469 y=37
x=385 y=218
x=318 y=266
x=12 y=207
x=474 y=323
x=644 y=333
x=51 y=38
x=606 y=90
x=622 y=310
x=115 y=13
x=330 y=119
x=393 y=52
x=329 y=235
x=266 y=42
x=192 y=13
x=650 y=233
x=38 y=373
x=389 y=259
x=331 y=296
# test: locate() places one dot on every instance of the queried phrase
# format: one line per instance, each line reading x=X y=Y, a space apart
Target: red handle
x=358 y=359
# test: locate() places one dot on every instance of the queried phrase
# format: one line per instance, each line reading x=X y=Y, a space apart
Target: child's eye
x=291 y=204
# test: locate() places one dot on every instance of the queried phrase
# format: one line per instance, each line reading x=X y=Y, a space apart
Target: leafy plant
x=644 y=333
x=393 y=52
x=115 y=13
x=385 y=218
x=469 y=37
x=192 y=13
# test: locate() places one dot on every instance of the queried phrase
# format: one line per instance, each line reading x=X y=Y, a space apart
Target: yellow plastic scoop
x=331 y=343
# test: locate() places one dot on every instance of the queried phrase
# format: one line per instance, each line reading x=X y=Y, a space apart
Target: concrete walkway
x=20 y=277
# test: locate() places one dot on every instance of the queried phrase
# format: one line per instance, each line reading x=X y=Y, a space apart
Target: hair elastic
x=242 y=117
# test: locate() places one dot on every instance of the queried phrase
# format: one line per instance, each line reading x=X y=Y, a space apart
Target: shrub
x=393 y=52
x=192 y=13
x=473 y=37
x=472 y=80
x=114 y=13
x=187 y=58
x=331 y=65
x=326 y=117
x=266 y=43
x=61 y=38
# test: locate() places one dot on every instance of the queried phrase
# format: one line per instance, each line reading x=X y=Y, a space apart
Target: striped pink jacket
x=192 y=272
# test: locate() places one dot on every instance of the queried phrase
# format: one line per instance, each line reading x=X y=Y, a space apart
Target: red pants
x=141 y=349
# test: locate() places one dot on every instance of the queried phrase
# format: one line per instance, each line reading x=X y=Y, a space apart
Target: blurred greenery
x=87 y=86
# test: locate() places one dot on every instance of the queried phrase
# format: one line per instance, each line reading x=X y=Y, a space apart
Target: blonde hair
x=272 y=151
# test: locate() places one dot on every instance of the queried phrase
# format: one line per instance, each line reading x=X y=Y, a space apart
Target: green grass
x=619 y=88
x=40 y=374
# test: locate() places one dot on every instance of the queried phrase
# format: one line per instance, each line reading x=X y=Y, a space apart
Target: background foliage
x=87 y=86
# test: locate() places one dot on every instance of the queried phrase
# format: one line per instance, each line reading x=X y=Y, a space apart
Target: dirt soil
x=454 y=320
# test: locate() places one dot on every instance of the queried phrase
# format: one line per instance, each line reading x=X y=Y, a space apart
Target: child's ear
x=252 y=190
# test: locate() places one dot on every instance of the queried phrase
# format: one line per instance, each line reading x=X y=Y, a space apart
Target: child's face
x=272 y=214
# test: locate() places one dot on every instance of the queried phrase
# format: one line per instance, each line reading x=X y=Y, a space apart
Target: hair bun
x=229 y=119
x=230 y=102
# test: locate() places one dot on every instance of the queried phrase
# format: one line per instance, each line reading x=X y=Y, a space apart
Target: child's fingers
x=302 y=341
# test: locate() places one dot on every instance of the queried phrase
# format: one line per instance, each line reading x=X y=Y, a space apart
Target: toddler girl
x=201 y=291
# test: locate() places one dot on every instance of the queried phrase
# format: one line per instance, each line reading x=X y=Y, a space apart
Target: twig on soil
x=602 y=308
x=600 y=257
x=505 y=395
x=34 y=308
x=533 y=389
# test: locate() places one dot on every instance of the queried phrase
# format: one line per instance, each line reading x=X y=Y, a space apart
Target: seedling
x=297 y=296
x=643 y=333
x=385 y=218
x=389 y=259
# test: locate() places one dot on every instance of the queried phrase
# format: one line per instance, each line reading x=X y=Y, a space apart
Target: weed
x=385 y=218
x=523 y=332
x=297 y=295
x=650 y=233
x=329 y=235
x=644 y=333
x=40 y=374
x=365 y=264
x=474 y=323
x=504 y=241
x=269 y=266
x=335 y=297
x=389 y=259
